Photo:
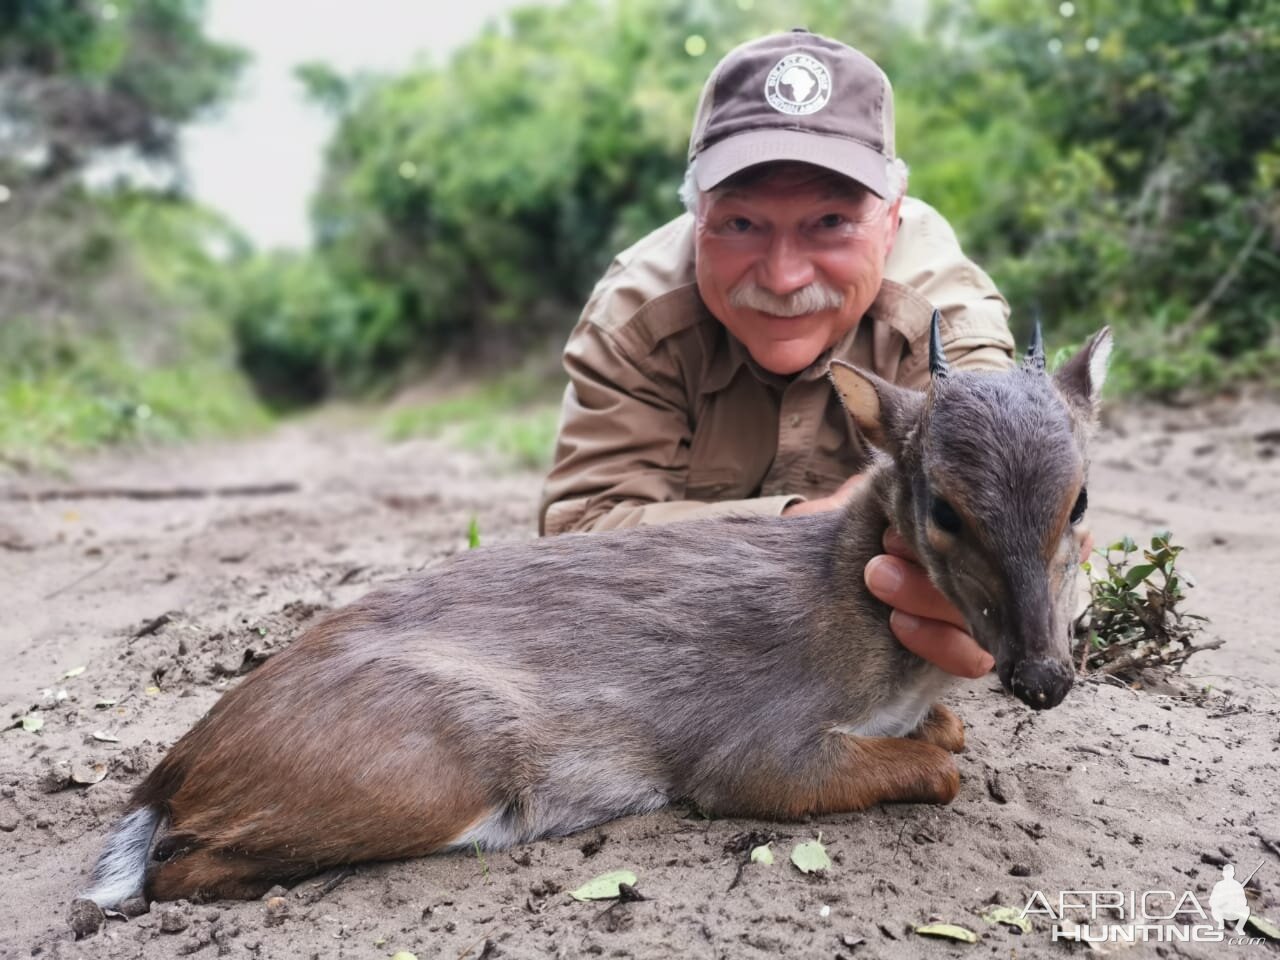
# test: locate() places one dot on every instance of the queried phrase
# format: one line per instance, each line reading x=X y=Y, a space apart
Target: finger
x=896 y=544
x=904 y=586
x=942 y=644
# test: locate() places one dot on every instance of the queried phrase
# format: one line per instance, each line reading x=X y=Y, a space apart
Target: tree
x=1161 y=210
x=78 y=77
x=81 y=80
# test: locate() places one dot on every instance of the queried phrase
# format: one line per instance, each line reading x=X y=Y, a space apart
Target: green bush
x=99 y=399
x=133 y=347
x=515 y=416
x=111 y=298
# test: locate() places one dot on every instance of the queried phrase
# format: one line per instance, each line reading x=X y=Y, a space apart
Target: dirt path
x=165 y=602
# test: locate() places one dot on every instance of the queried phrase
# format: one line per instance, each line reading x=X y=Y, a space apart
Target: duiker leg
x=223 y=846
x=851 y=773
x=275 y=787
x=942 y=728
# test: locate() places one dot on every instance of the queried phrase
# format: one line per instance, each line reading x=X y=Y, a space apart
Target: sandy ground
x=1117 y=789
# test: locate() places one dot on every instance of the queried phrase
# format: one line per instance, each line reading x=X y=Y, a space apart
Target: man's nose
x=785 y=267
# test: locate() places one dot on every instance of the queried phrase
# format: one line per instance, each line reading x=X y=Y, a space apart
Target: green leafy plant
x=514 y=416
x=1136 y=617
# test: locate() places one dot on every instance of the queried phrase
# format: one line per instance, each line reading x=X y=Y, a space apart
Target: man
x=697 y=371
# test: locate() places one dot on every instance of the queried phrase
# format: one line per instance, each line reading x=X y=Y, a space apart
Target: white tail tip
x=121 y=870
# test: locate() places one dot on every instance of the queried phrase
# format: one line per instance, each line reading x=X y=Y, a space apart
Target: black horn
x=937 y=359
x=1035 y=352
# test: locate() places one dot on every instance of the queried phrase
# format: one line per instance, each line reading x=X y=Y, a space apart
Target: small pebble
x=8 y=822
x=277 y=911
x=86 y=918
x=172 y=921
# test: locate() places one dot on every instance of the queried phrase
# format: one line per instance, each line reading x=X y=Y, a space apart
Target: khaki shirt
x=666 y=416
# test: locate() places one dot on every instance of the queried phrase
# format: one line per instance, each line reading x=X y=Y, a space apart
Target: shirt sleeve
x=975 y=316
x=622 y=452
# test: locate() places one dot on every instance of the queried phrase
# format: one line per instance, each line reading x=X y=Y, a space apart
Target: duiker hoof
x=1041 y=684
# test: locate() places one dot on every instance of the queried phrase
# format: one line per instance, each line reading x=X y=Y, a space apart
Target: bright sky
x=260 y=159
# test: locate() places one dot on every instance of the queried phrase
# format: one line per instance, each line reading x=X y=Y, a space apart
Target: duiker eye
x=1082 y=504
x=945 y=516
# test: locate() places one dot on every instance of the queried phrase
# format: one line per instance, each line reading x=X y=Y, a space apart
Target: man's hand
x=832 y=501
x=923 y=620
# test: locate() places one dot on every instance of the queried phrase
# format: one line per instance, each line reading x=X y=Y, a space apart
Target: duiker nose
x=1041 y=683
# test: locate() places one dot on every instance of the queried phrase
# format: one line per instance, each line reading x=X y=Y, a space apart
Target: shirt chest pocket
x=735 y=436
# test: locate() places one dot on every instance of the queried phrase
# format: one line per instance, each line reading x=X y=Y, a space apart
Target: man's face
x=791 y=260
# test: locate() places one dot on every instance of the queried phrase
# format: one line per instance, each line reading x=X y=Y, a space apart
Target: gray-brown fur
x=530 y=690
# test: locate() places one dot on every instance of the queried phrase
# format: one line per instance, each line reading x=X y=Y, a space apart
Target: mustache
x=814 y=298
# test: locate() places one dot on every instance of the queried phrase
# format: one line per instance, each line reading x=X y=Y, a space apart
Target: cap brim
x=731 y=155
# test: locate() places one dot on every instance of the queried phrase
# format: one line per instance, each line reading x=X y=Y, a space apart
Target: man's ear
x=883 y=413
x=1080 y=379
x=893 y=221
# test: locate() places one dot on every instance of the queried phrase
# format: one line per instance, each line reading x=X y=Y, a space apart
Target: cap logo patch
x=798 y=84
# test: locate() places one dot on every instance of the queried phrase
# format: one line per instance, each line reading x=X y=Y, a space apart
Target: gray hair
x=895 y=168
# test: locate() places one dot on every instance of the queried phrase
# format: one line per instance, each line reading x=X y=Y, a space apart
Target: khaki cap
x=795 y=96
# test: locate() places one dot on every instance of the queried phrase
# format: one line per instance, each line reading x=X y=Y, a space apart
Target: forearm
x=580 y=516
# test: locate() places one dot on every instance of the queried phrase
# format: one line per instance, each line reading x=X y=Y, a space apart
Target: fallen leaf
x=152 y=690
x=404 y=955
x=73 y=672
x=32 y=722
x=88 y=772
x=948 y=931
x=811 y=856
x=762 y=854
x=103 y=737
x=605 y=886
x=1263 y=926
x=1008 y=916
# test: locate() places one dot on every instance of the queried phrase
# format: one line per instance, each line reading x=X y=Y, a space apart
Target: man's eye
x=831 y=221
x=737 y=224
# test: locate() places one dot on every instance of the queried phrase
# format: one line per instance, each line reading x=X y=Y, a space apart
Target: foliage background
x=1111 y=162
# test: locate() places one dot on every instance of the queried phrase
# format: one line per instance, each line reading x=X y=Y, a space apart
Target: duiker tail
x=120 y=872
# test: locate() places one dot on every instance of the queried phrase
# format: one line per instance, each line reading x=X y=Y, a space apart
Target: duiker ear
x=884 y=413
x=1081 y=377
